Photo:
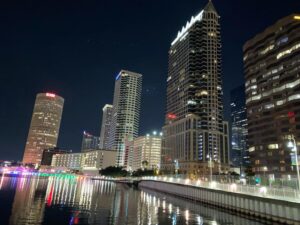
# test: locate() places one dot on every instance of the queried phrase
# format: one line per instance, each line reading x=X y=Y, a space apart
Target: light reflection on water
x=84 y=201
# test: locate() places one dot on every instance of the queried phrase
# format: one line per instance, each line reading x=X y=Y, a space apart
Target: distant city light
x=154 y=133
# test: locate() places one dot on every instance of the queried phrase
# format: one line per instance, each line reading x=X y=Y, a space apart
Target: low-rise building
x=89 y=162
x=69 y=161
x=48 y=155
x=95 y=160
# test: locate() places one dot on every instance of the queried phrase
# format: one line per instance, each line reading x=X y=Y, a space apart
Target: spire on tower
x=210 y=6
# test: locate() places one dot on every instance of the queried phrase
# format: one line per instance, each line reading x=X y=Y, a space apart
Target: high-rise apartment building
x=89 y=142
x=239 y=155
x=271 y=67
x=44 y=127
x=147 y=152
x=126 y=111
x=105 y=126
x=195 y=134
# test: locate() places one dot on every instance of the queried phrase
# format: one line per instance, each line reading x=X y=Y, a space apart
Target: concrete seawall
x=272 y=209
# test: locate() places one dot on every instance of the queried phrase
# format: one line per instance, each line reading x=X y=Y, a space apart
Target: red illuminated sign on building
x=291 y=114
x=171 y=116
x=50 y=95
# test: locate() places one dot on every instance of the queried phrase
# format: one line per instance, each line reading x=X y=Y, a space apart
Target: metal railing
x=286 y=194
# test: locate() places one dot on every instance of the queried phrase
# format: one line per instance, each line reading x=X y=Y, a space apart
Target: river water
x=60 y=201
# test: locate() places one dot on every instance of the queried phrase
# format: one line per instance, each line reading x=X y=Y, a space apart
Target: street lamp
x=210 y=166
x=176 y=165
x=292 y=144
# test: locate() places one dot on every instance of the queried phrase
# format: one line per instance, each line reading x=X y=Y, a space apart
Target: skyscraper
x=89 y=142
x=239 y=155
x=194 y=132
x=44 y=126
x=126 y=111
x=105 y=126
x=271 y=67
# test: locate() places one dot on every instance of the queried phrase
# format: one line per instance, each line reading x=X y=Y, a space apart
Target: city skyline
x=11 y=149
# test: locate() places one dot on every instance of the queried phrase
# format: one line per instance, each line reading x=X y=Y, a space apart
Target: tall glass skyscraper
x=126 y=111
x=239 y=155
x=105 y=126
x=195 y=134
x=44 y=127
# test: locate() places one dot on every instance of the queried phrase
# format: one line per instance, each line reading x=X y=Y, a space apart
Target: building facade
x=239 y=155
x=48 y=154
x=89 y=162
x=95 y=160
x=146 y=152
x=105 y=126
x=126 y=111
x=194 y=128
x=271 y=67
x=128 y=153
x=89 y=142
x=71 y=161
x=44 y=127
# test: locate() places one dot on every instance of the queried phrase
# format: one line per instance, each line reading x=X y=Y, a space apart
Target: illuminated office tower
x=89 y=142
x=105 y=126
x=195 y=134
x=44 y=127
x=271 y=68
x=126 y=112
x=239 y=155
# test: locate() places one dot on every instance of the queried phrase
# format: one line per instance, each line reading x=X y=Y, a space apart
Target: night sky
x=75 y=48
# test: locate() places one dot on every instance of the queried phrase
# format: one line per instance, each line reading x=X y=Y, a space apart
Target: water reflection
x=83 y=201
x=28 y=206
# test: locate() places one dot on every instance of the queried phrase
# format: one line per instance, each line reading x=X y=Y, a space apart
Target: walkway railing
x=287 y=194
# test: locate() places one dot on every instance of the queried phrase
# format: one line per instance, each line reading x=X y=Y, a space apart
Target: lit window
x=204 y=92
x=294 y=97
x=191 y=102
x=288 y=51
x=266 y=50
x=252 y=149
x=273 y=146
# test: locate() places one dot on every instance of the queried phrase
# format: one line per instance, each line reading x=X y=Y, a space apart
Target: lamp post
x=210 y=166
x=265 y=178
x=176 y=165
x=292 y=144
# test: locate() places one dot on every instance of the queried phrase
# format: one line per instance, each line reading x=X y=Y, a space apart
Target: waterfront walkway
x=286 y=194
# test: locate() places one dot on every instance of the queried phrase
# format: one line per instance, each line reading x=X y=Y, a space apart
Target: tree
x=141 y=172
x=145 y=164
x=114 y=171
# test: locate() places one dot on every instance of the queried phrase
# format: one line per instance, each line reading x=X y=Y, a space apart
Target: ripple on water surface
x=58 y=201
